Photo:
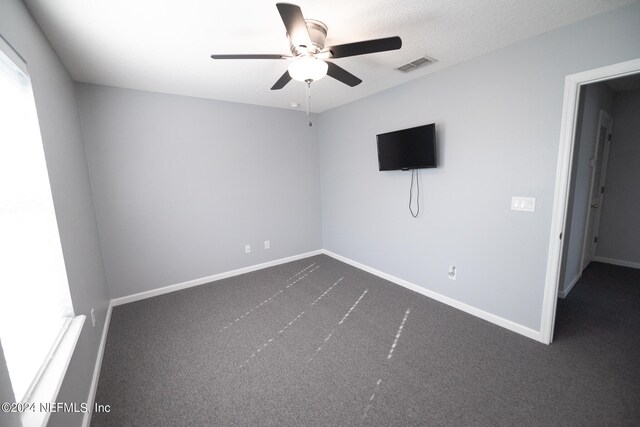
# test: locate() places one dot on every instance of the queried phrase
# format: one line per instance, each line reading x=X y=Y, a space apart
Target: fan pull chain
x=309 y=101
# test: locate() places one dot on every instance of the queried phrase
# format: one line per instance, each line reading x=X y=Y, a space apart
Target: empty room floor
x=319 y=342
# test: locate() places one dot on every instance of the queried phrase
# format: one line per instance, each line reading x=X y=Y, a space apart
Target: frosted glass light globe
x=308 y=68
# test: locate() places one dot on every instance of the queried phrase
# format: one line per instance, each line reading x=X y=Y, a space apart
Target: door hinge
x=609 y=137
x=602 y=190
x=595 y=239
x=560 y=236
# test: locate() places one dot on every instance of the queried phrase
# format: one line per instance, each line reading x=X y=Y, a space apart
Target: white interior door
x=598 y=175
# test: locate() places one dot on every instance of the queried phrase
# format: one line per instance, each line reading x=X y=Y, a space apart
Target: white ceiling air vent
x=416 y=64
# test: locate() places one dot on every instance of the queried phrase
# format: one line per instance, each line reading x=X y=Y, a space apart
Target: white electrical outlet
x=267 y=245
x=452 y=272
x=93 y=317
x=247 y=249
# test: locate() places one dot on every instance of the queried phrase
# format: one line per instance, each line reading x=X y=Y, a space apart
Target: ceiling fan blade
x=291 y=15
x=342 y=75
x=250 y=56
x=364 y=47
x=282 y=81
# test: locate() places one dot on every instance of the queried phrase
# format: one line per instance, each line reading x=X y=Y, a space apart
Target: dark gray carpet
x=295 y=345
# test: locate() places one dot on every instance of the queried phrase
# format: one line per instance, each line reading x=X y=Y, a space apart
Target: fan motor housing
x=317 y=34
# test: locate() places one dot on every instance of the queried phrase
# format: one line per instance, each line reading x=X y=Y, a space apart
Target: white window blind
x=35 y=304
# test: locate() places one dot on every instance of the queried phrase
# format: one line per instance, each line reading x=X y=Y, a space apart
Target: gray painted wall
x=498 y=119
x=66 y=160
x=619 y=233
x=594 y=97
x=182 y=184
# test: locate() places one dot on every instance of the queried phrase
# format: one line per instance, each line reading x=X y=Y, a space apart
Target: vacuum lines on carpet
x=288 y=325
x=399 y=358
x=276 y=294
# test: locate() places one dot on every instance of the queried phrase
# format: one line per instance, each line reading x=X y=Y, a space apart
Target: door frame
x=586 y=243
x=572 y=86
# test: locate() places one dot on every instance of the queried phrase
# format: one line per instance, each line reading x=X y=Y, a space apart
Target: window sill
x=40 y=404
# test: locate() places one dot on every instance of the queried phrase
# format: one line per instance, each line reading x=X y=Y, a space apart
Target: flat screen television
x=413 y=148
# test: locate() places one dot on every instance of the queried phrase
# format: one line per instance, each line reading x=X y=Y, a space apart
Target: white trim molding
x=619 y=262
x=209 y=279
x=492 y=318
x=48 y=385
x=13 y=55
x=563 y=170
x=86 y=421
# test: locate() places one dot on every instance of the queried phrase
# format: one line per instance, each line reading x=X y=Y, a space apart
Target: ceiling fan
x=306 y=40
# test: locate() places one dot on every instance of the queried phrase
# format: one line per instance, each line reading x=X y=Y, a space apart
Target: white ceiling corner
x=164 y=45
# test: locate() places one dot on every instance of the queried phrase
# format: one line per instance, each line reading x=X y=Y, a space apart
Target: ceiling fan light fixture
x=308 y=68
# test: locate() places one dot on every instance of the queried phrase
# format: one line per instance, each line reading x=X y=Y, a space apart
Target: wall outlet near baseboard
x=267 y=244
x=452 y=272
x=247 y=249
x=93 y=317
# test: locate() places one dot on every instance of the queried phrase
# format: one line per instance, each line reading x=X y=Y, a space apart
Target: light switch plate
x=524 y=204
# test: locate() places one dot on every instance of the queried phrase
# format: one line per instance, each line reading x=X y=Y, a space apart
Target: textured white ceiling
x=164 y=45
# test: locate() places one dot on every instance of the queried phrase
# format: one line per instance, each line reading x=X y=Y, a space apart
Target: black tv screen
x=413 y=148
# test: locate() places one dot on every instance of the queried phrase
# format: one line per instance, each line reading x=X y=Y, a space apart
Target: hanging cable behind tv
x=416 y=173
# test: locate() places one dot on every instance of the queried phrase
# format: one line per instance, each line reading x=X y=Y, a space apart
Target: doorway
x=561 y=255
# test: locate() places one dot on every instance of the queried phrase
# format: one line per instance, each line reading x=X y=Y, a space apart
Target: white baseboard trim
x=563 y=294
x=209 y=279
x=86 y=421
x=619 y=262
x=497 y=320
